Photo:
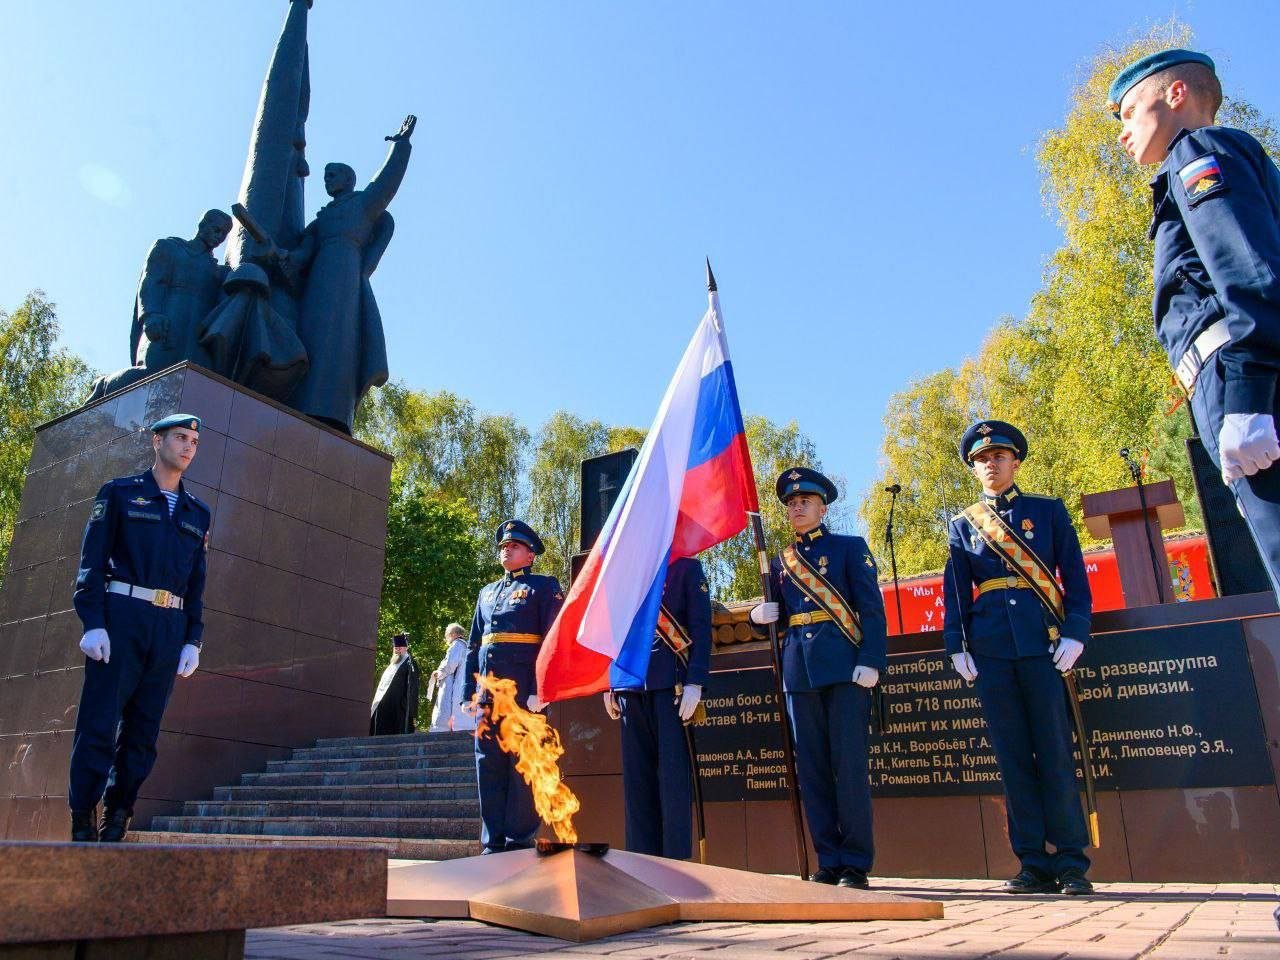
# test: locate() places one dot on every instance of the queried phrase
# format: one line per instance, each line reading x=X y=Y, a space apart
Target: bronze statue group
x=1016 y=596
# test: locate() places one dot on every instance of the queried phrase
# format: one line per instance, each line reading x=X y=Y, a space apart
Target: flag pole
x=775 y=649
x=788 y=749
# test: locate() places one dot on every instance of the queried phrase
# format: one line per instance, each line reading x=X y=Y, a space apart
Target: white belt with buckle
x=157 y=598
x=1203 y=347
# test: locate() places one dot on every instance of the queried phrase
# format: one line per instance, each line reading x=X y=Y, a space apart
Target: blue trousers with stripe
x=1025 y=706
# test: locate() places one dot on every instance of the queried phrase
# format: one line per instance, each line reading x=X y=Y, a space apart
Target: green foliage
x=555 y=485
x=434 y=569
x=922 y=429
x=731 y=567
x=442 y=443
x=1082 y=373
x=38 y=381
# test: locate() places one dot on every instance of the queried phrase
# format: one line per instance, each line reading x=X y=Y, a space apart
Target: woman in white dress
x=445 y=685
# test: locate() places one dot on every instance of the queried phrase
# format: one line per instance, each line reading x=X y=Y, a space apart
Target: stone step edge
x=453 y=736
x=349 y=786
x=307 y=819
x=345 y=803
x=412 y=763
x=407 y=848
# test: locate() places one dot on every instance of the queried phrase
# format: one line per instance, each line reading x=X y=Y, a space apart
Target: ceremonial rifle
x=672 y=634
x=697 y=787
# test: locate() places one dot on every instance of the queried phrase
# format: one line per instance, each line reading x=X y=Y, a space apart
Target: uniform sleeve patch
x=99 y=509
x=1200 y=176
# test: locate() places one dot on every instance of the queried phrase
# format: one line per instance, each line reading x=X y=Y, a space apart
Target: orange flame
x=536 y=745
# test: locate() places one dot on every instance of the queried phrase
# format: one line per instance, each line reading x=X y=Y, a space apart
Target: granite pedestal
x=291 y=604
x=73 y=901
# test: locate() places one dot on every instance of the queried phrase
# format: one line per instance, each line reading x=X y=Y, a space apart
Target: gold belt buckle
x=806 y=618
x=1011 y=581
x=160 y=598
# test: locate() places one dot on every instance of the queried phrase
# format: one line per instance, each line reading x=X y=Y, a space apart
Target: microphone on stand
x=893 y=490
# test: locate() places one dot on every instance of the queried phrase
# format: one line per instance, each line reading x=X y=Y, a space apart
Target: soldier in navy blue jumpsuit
x=657 y=774
x=139 y=596
x=828 y=680
x=1216 y=227
x=1004 y=636
x=512 y=616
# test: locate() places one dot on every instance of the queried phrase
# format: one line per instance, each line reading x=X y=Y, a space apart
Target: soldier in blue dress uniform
x=139 y=595
x=656 y=763
x=512 y=617
x=1006 y=642
x=832 y=654
x=1216 y=227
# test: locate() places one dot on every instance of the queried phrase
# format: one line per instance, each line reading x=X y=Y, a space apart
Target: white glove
x=763 y=613
x=1068 y=652
x=1246 y=444
x=964 y=666
x=865 y=676
x=96 y=645
x=535 y=703
x=611 y=705
x=690 y=697
x=188 y=660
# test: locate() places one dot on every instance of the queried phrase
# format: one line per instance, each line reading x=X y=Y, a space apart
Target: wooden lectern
x=1118 y=514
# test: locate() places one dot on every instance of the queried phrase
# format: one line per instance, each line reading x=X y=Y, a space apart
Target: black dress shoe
x=84 y=826
x=1074 y=883
x=827 y=875
x=115 y=824
x=1028 y=881
x=854 y=879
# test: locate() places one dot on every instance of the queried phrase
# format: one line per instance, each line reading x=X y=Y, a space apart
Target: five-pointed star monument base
x=578 y=896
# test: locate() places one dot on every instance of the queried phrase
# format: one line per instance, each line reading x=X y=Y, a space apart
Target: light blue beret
x=1139 y=70
x=190 y=421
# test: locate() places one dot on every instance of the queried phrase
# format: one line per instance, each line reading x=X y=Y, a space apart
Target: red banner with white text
x=1188 y=571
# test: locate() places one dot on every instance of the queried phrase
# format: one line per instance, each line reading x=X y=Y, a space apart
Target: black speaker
x=575 y=565
x=602 y=480
x=1233 y=555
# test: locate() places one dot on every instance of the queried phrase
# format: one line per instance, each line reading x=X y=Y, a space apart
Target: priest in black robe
x=395 y=704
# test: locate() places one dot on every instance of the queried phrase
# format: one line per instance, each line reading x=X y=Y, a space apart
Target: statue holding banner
x=290 y=312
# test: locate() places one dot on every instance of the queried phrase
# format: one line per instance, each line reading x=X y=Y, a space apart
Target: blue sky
x=861 y=175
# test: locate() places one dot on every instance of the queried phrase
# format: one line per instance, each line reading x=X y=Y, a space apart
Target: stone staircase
x=413 y=795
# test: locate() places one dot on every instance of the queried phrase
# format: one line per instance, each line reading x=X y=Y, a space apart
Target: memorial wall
x=1182 y=704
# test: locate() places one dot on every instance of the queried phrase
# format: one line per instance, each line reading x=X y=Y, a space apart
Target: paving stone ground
x=1170 y=921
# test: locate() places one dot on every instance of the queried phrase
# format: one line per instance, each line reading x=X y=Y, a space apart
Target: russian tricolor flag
x=690 y=489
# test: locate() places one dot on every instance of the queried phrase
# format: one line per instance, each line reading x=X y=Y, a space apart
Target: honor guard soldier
x=832 y=654
x=657 y=754
x=139 y=596
x=1010 y=629
x=512 y=616
x=1216 y=227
